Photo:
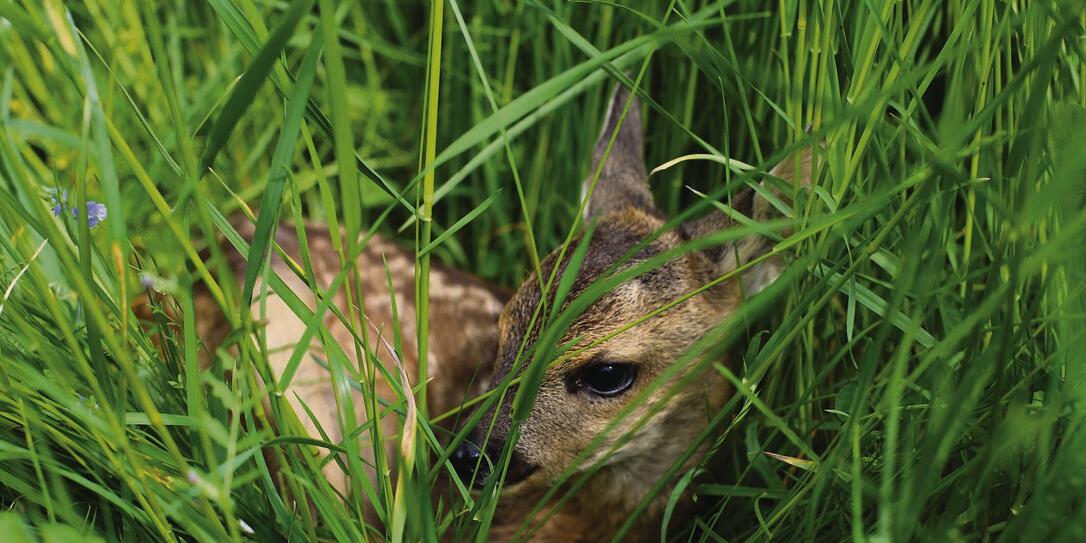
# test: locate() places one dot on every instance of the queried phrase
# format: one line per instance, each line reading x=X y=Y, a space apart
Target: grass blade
x=241 y=97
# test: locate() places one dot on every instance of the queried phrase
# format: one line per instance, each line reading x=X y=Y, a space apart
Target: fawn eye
x=606 y=379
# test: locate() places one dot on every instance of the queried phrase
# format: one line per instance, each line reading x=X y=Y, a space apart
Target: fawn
x=582 y=394
x=474 y=324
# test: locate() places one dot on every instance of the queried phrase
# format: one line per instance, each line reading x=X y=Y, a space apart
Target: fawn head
x=585 y=389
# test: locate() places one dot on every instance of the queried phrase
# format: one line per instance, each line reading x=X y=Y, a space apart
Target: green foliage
x=915 y=375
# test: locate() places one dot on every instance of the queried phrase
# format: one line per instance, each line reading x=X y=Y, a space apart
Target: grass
x=918 y=377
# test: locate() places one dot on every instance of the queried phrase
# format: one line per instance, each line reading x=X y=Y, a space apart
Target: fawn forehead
x=616 y=234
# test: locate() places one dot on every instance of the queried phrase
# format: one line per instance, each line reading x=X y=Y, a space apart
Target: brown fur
x=564 y=421
x=463 y=318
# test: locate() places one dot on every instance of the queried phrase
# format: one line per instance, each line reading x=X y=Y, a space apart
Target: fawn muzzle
x=474 y=467
x=470 y=465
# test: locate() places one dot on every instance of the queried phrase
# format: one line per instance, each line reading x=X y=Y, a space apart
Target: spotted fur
x=463 y=324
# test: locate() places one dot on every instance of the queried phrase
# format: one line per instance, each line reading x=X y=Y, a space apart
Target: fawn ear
x=623 y=181
x=794 y=171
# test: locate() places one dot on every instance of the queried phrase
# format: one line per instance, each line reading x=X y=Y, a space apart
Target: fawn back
x=463 y=312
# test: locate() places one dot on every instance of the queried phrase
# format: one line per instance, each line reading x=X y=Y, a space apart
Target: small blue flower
x=58 y=202
x=96 y=212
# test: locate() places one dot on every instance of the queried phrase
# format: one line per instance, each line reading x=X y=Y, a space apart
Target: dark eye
x=606 y=379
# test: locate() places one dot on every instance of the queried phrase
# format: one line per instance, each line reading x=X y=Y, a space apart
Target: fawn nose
x=468 y=460
x=465 y=459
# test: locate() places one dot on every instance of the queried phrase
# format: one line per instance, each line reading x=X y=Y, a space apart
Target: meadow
x=917 y=374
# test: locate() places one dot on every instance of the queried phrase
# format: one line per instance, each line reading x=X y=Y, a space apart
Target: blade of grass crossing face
x=720 y=337
x=533 y=375
x=576 y=260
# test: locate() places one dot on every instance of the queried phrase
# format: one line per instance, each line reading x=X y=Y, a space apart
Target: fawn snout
x=473 y=465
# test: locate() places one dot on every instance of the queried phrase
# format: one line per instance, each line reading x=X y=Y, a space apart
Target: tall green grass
x=917 y=376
